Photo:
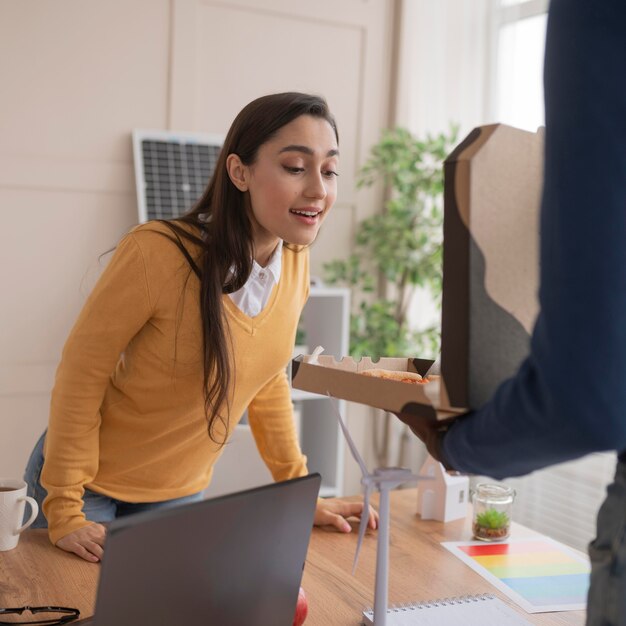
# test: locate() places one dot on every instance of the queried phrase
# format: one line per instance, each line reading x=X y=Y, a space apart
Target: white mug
x=13 y=500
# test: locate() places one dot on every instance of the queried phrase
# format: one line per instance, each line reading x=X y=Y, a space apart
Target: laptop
x=230 y=561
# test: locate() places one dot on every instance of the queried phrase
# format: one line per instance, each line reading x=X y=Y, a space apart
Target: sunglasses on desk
x=49 y=615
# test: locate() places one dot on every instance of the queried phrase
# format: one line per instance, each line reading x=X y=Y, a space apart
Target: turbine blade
x=365 y=516
x=346 y=433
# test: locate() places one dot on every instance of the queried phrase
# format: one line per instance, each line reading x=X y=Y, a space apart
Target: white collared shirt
x=253 y=297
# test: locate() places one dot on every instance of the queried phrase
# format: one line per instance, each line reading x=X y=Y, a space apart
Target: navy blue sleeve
x=569 y=396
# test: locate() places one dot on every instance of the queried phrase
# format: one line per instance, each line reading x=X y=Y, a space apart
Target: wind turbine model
x=384 y=479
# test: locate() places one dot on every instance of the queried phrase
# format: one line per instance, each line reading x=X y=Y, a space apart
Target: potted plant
x=397 y=251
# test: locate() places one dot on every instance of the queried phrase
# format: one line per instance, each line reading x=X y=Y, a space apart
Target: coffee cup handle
x=33 y=513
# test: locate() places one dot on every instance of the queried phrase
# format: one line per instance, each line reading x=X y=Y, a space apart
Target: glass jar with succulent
x=492 y=511
x=397 y=251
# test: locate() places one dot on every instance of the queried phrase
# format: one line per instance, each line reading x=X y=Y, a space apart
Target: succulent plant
x=491 y=518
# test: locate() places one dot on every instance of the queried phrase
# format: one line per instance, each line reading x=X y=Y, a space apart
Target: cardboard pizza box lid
x=492 y=192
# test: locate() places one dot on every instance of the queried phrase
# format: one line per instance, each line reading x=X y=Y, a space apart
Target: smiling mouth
x=305 y=213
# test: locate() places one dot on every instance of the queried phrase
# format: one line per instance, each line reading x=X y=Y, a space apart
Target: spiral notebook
x=479 y=610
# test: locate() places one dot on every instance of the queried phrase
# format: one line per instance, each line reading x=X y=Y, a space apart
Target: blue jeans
x=96 y=507
x=606 y=604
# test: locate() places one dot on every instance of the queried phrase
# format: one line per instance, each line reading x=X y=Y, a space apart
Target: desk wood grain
x=37 y=573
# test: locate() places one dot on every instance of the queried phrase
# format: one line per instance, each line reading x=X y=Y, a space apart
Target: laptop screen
x=232 y=560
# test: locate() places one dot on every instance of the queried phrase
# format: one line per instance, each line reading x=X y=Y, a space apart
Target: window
x=519 y=42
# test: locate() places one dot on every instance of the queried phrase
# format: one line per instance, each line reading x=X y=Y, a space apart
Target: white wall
x=78 y=76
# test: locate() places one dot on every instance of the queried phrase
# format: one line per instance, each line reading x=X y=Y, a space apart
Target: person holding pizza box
x=579 y=340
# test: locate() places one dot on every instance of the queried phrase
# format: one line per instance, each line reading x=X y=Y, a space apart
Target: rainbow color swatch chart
x=538 y=574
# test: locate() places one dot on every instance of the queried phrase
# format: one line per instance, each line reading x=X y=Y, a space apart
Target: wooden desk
x=36 y=573
x=419 y=568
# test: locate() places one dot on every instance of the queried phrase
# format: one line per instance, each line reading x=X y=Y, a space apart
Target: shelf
x=328 y=491
x=297 y=395
x=326 y=322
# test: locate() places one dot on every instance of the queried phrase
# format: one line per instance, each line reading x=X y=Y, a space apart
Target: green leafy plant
x=491 y=518
x=398 y=250
x=300 y=333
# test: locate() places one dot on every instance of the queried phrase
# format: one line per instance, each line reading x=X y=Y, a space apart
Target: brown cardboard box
x=491 y=205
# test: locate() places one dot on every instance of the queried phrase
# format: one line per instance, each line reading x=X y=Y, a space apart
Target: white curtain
x=444 y=62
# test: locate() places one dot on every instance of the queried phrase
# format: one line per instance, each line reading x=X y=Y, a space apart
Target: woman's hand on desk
x=86 y=542
x=335 y=512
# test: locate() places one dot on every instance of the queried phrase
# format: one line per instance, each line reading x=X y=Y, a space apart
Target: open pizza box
x=492 y=192
x=344 y=379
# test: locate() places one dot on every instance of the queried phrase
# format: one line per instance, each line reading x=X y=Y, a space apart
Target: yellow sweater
x=127 y=413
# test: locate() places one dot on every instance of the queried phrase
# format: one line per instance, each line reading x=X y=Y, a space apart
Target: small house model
x=445 y=497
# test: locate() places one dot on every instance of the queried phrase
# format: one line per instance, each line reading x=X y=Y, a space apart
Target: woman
x=203 y=333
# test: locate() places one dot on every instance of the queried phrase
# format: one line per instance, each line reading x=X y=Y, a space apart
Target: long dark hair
x=221 y=226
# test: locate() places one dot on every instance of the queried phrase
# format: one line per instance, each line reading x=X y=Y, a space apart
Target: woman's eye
x=294 y=170
x=330 y=173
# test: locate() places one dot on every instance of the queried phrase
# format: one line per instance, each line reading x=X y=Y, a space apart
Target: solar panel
x=172 y=170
